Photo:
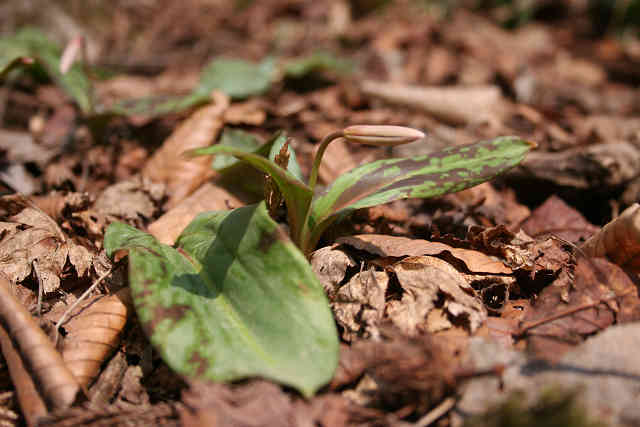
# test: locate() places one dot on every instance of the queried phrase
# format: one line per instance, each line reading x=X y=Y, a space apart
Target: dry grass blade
x=93 y=334
x=619 y=240
x=54 y=381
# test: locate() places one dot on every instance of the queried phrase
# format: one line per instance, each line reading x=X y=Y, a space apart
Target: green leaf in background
x=238 y=79
x=425 y=176
x=318 y=61
x=32 y=43
x=239 y=140
x=237 y=299
x=297 y=194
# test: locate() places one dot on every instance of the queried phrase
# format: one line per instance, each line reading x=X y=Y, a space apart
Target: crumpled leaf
x=397 y=246
x=435 y=296
x=130 y=199
x=235 y=299
x=383 y=181
x=330 y=266
x=359 y=305
x=31 y=239
x=32 y=43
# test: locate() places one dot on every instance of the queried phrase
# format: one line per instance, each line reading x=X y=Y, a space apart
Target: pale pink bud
x=381 y=135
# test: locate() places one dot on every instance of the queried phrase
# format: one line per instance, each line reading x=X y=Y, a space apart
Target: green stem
x=318 y=158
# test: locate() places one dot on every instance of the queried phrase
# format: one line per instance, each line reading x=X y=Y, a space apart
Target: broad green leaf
x=238 y=79
x=297 y=194
x=32 y=43
x=318 y=61
x=237 y=139
x=426 y=176
x=236 y=299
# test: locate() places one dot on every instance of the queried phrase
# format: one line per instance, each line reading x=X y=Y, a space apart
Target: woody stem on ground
x=313 y=178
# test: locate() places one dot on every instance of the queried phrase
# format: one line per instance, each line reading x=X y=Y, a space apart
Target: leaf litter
x=447 y=276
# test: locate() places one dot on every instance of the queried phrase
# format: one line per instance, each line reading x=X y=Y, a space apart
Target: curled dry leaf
x=34 y=238
x=394 y=246
x=55 y=382
x=130 y=199
x=435 y=297
x=93 y=333
x=556 y=217
x=168 y=165
x=619 y=240
x=330 y=265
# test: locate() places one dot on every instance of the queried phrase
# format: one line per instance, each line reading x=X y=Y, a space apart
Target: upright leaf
x=297 y=194
x=426 y=176
x=32 y=43
x=236 y=299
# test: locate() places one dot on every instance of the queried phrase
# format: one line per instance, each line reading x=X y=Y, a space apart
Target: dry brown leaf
x=93 y=333
x=209 y=197
x=37 y=241
x=619 y=240
x=429 y=283
x=245 y=113
x=55 y=382
x=359 y=305
x=501 y=207
x=455 y=105
x=131 y=199
x=168 y=165
x=57 y=204
x=395 y=246
x=587 y=296
x=330 y=265
x=555 y=217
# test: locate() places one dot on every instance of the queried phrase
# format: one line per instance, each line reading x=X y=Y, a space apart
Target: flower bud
x=381 y=135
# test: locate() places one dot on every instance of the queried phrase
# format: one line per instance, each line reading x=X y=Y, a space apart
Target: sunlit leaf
x=236 y=299
x=425 y=176
x=297 y=194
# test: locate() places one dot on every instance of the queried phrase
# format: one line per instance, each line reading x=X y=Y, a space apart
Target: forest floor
x=529 y=323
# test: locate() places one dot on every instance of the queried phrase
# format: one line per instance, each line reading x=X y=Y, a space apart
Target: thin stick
x=431 y=416
x=318 y=157
x=523 y=329
x=40 y=288
x=73 y=306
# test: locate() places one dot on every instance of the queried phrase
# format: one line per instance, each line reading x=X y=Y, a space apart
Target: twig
x=431 y=416
x=40 y=288
x=84 y=295
x=534 y=324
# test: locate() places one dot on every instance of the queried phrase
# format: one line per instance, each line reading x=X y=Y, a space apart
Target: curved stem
x=313 y=178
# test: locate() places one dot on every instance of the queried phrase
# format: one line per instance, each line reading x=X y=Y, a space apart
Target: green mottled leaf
x=32 y=43
x=426 y=176
x=297 y=194
x=236 y=299
x=318 y=61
